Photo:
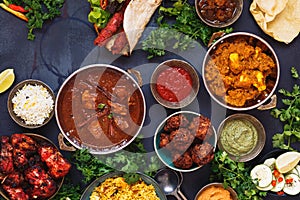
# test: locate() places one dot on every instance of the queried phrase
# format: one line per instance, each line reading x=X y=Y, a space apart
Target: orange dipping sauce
x=174 y=84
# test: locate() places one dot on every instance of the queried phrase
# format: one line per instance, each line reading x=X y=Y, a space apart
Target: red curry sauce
x=174 y=84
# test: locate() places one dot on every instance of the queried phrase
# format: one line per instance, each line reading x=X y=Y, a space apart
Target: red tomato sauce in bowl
x=174 y=84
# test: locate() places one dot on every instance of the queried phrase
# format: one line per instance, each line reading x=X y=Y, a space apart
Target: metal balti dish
x=39 y=139
x=148 y=180
x=214 y=82
x=100 y=108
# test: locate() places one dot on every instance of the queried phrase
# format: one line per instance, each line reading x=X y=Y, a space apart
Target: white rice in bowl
x=33 y=104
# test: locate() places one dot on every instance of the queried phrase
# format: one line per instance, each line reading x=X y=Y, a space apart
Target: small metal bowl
x=261 y=137
x=188 y=68
x=217 y=24
x=233 y=194
x=10 y=105
x=164 y=154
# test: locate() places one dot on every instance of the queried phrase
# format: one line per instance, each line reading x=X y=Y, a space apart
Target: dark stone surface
x=66 y=43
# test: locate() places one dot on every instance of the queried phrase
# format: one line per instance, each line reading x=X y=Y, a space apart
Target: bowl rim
x=230 y=22
x=261 y=136
x=195 y=87
x=13 y=91
x=233 y=193
x=156 y=137
x=147 y=179
x=220 y=40
x=92 y=149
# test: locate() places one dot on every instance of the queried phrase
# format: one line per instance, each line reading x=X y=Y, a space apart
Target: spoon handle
x=181 y=195
x=175 y=194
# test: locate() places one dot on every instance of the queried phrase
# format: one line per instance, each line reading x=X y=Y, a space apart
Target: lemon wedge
x=287 y=161
x=7 y=78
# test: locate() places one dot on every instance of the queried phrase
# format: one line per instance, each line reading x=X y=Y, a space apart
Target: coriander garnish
x=289 y=115
x=101 y=105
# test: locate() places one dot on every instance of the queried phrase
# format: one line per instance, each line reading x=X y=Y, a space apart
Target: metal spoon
x=170 y=182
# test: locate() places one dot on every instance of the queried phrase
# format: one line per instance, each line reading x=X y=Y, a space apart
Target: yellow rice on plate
x=117 y=189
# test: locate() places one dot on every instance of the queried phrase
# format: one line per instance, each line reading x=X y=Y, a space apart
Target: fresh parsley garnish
x=131 y=178
x=130 y=160
x=68 y=191
x=294 y=72
x=180 y=34
x=101 y=105
x=110 y=116
x=236 y=175
x=289 y=114
x=38 y=12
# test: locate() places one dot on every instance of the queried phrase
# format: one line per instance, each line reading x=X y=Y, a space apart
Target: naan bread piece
x=285 y=26
x=271 y=8
x=137 y=15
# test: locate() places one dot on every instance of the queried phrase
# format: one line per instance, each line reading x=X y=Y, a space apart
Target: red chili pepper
x=16 y=13
x=280 y=193
x=289 y=180
x=273 y=183
x=276 y=173
x=103 y=4
x=17 y=8
x=280 y=179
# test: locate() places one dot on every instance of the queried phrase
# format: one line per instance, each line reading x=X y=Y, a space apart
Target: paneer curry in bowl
x=101 y=108
x=240 y=71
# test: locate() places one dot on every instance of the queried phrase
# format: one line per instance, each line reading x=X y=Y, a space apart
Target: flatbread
x=271 y=8
x=137 y=15
x=277 y=19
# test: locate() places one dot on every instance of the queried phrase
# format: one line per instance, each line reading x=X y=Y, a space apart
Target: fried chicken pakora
x=183 y=161
x=185 y=140
x=175 y=122
x=202 y=153
x=181 y=139
x=200 y=126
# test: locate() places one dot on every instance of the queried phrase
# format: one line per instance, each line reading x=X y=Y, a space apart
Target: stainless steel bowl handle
x=214 y=37
x=270 y=105
x=137 y=75
x=62 y=145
